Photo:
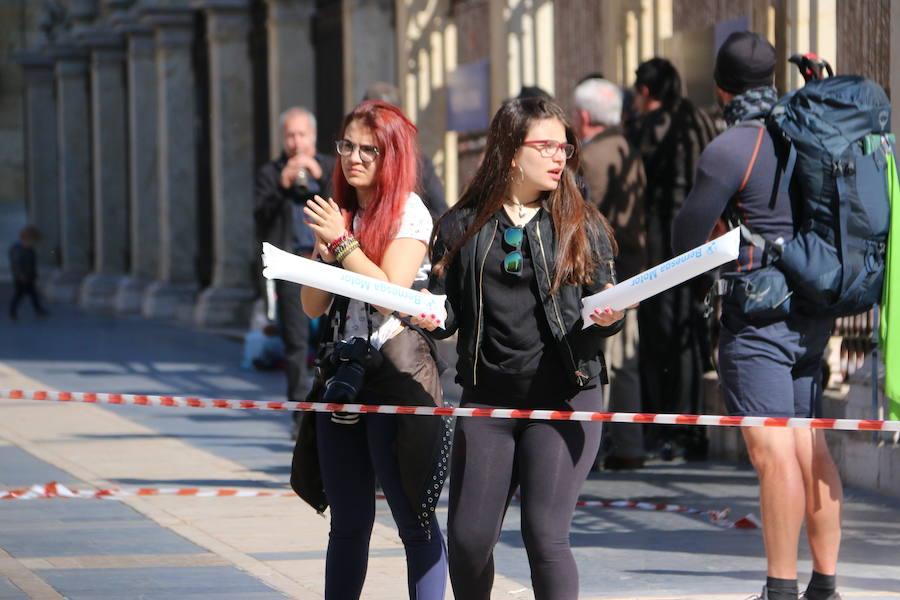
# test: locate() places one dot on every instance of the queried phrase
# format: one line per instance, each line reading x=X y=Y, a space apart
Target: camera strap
x=339 y=319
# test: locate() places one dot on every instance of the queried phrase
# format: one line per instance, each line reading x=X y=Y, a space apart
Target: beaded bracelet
x=332 y=246
x=345 y=251
x=343 y=245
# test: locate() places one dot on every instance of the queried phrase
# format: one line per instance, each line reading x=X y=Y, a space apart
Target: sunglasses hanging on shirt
x=512 y=241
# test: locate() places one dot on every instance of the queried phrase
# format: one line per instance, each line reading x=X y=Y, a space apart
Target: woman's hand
x=325 y=219
x=607 y=316
x=321 y=251
x=424 y=320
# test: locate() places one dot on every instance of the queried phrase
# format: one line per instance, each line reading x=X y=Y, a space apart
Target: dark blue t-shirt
x=722 y=168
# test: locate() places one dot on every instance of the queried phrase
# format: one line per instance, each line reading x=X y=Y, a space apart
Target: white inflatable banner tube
x=290 y=267
x=664 y=276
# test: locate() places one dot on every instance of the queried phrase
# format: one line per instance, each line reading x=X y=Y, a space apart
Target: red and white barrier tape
x=716 y=517
x=494 y=413
x=58 y=490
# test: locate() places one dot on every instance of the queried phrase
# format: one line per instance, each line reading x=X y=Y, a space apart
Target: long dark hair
x=576 y=222
x=661 y=79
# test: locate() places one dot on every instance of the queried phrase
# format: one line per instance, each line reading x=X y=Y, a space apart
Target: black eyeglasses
x=512 y=239
x=367 y=153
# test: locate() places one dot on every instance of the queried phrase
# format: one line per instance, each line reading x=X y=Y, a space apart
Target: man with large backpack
x=804 y=191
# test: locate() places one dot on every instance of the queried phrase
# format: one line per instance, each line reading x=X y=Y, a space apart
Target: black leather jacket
x=580 y=349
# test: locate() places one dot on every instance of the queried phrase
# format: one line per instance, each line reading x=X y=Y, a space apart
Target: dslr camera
x=350 y=361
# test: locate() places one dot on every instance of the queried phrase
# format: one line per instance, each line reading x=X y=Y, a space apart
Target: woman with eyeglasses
x=515 y=256
x=377 y=226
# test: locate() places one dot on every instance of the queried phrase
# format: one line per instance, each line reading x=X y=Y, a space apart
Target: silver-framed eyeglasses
x=549 y=148
x=367 y=153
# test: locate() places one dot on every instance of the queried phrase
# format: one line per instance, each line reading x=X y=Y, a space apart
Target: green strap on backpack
x=889 y=328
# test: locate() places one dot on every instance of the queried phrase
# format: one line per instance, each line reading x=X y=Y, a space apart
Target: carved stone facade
x=145 y=124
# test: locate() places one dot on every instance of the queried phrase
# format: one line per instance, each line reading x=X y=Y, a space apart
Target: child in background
x=23 y=265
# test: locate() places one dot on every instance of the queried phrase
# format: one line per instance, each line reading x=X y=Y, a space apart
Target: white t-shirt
x=416 y=224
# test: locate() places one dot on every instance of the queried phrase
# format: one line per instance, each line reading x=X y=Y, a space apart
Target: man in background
x=669 y=134
x=282 y=188
x=614 y=176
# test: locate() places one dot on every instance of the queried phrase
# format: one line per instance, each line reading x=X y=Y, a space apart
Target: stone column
x=74 y=134
x=172 y=294
x=369 y=51
x=143 y=168
x=110 y=174
x=227 y=302
x=292 y=61
x=41 y=162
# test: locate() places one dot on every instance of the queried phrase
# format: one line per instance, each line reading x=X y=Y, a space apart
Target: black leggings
x=549 y=461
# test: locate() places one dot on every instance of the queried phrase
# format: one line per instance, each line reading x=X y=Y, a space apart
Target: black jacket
x=580 y=349
x=408 y=376
x=432 y=190
x=273 y=205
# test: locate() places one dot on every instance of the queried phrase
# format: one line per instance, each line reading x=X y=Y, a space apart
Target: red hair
x=395 y=179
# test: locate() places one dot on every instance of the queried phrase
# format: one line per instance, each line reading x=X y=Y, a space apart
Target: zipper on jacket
x=580 y=377
x=481 y=303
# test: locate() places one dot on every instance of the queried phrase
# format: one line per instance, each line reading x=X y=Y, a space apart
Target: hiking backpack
x=832 y=140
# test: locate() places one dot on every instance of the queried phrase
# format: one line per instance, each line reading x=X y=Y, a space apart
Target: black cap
x=745 y=61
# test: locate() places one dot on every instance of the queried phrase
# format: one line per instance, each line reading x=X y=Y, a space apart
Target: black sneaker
x=833 y=596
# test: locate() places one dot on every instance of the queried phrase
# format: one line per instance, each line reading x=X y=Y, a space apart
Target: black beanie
x=745 y=61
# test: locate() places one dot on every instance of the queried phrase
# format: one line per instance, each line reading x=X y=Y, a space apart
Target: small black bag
x=761 y=294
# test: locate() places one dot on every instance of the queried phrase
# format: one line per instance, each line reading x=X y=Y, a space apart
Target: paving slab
x=143 y=583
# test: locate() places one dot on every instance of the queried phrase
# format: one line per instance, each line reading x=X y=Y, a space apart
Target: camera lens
x=351 y=360
x=302 y=180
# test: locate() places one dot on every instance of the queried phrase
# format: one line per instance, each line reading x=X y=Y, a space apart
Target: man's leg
x=32 y=291
x=624 y=395
x=14 y=302
x=781 y=495
x=824 y=496
x=756 y=371
x=824 y=493
x=295 y=333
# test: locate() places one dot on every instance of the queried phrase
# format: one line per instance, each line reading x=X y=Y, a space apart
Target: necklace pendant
x=521 y=211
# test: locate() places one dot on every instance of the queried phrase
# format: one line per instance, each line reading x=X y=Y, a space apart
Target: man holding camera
x=282 y=188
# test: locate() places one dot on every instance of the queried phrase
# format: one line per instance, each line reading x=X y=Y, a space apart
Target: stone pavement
x=171 y=547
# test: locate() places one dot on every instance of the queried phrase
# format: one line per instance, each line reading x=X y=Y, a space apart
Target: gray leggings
x=549 y=461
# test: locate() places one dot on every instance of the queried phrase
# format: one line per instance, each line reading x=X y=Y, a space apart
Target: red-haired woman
x=377 y=226
x=515 y=256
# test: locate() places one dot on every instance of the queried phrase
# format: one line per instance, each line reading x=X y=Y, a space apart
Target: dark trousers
x=350 y=457
x=672 y=363
x=21 y=290
x=295 y=333
x=549 y=461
